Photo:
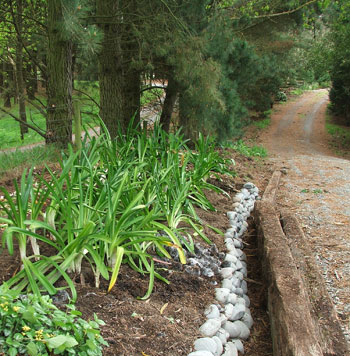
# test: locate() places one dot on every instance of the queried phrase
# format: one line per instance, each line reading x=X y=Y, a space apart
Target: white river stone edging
x=229 y=321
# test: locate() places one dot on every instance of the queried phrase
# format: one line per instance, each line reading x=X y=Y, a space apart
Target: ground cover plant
x=339 y=133
x=34 y=326
x=119 y=201
x=248 y=150
x=263 y=124
x=26 y=158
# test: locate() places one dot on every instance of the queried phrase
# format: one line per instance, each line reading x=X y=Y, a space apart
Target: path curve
x=316 y=186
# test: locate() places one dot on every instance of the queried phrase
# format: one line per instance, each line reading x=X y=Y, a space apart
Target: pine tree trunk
x=1 y=81
x=7 y=100
x=131 y=75
x=7 y=91
x=169 y=103
x=131 y=99
x=110 y=68
x=186 y=121
x=74 y=60
x=59 y=65
x=31 y=80
x=19 y=70
x=14 y=92
x=35 y=79
x=44 y=75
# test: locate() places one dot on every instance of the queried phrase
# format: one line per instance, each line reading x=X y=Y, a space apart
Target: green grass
x=10 y=131
x=263 y=124
x=246 y=150
x=340 y=135
x=339 y=132
x=300 y=90
x=314 y=191
x=150 y=96
x=36 y=156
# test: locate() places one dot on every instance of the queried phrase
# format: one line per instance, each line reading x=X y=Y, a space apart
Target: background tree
x=17 y=29
x=16 y=10
x=210 y=53
x=340 y=69
x=60 y=78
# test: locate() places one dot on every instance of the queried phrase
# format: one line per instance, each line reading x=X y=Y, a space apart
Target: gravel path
x=316 y=187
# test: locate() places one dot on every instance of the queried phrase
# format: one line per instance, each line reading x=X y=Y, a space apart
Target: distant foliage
x=281 y=96
x=340 y=73
x=248 y=80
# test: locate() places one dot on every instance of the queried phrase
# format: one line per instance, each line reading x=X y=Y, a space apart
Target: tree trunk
x=168 y=106
x=186 y=121
x=7 y=100
x=74 y=60
x=7 y=89
x=31 y=80
x=131 y=99
x=19 y=69
x=14 y=91
x=110 y=67
x=59 y=65
x=44 y=75
x=131 y=75
x=1 y=80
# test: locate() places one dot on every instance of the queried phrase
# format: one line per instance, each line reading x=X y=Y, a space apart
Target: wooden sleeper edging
x=295 y=326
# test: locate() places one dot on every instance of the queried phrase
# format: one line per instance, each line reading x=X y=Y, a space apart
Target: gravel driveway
x=316 y=187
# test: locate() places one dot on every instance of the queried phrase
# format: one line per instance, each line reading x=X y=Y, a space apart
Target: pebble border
x=229 y=321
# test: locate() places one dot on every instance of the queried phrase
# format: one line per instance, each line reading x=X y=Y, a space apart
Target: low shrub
x=31 y=325
x=281 y=96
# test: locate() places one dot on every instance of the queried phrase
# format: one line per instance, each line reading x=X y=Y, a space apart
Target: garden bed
x=167 y=323
x=135 y=328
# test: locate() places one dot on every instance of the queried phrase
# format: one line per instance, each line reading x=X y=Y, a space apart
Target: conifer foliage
x=204 y=50
x=340 y=71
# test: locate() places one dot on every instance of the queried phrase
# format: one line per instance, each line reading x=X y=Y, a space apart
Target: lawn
x=10 y=131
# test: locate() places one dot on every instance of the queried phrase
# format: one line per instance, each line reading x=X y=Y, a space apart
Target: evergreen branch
x=42 y=112
x=152 y=87
x=40 y=132
x=36 y=21
x=31 y=119
x=25 y=16
x=289 y=12
x=89 y=113
x=20 y=39
x=41 y=103
x=176 y=19
x=9 y=32
x=89 y=96
x=42 y=67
